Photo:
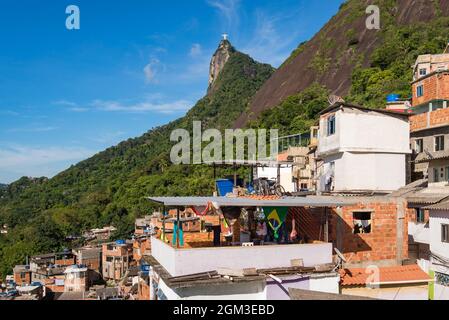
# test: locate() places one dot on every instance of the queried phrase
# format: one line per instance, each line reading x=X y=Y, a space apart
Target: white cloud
x=19 y=160
x=196 y=50
x=143 y=107
x=79 y=109
x=276 y=32
x=269 y=33
x=9 y=113
x=32 y=129
x=150 y=70
x=229 y=11
x=65 y=103
x=71 y=106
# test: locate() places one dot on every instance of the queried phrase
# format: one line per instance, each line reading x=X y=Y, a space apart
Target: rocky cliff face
x=331 y=55
x=218 y=61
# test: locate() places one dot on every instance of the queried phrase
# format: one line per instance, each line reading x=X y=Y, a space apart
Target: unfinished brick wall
x=143 y=291
x=435 y=87
x=140 y=246
x=411 y=215
x=418 y=122
x=382 y=243
x=439 y=117
x=19 y=280
x=382 y=246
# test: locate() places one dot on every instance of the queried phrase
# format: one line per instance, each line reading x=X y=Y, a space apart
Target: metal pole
x=163 y=224
x=235 y=175
x=326 y=225
x=215 y=179
x=279 y=174
x=177 y=227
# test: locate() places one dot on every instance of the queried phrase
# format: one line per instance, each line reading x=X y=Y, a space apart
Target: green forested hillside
x=110 y=187
x=389 y=69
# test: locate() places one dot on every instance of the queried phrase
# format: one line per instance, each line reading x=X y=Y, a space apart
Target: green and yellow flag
x=278 y=214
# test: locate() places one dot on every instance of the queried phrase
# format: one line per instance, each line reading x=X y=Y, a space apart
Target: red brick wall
x=21 y=281
x=411 y=215
x=143 y=291
x=380 y=244
x=143 y=245
x=66 y=262
x=439 y=117
x=435 y=87
x=418 y=122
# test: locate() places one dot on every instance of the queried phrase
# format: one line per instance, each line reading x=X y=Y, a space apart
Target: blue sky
x=133 y=65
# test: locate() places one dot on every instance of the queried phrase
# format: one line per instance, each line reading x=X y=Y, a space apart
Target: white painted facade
x=437 y=246
x=286 y=173
x=367 y=152
x=255 y=290
x=180 y=262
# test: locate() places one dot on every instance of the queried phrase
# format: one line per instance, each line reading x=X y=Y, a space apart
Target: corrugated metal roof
x=348 y=105
x=323 y=201
x=439 y=206
x=432 y=155
x=426 y=198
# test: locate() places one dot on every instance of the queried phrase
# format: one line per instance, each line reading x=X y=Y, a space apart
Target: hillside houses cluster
x=361 y=211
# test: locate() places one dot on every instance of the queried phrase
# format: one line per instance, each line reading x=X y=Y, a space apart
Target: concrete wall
x=286 y=176
x=368 y=171
x=328 y=283
x=180 y=262
x=437 y=218
x=386 y=245
x=410 y=292
x=255 y=290
x=368 y=150
x=364 y=132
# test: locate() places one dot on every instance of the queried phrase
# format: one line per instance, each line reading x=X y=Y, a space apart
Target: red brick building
x=22 y=275
x=116 y=259
x=374 y=231
x=429 y=124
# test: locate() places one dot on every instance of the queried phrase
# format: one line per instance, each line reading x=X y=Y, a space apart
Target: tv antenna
x=333 y=99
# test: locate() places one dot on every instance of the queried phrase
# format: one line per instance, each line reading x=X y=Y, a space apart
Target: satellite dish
x=333 y=99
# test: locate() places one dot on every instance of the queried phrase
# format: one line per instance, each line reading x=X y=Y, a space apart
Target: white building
x=362 y=149
x=439 y=247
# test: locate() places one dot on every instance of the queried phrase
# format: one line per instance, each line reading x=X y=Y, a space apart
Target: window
x=362 y=222
x=422 y=72
x=419 y=146
x=420 y=216
x=420 y=91
x=445 y=233
x=439 y=143
x=331 y=125
x=436 y=175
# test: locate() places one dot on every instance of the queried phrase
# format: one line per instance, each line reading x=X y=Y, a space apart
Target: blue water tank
x=224 y=187
x=393 y=97
x=120 y=242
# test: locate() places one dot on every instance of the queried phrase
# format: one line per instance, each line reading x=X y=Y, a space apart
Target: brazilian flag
x=278 y=214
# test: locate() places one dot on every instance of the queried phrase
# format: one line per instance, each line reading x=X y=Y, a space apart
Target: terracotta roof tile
x=399 y=274
x=258 y=197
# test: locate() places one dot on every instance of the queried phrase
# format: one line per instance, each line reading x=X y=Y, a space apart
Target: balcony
x=180 y=262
